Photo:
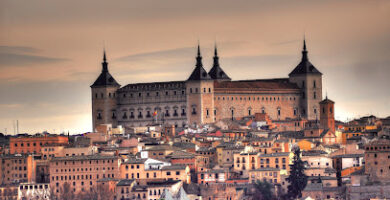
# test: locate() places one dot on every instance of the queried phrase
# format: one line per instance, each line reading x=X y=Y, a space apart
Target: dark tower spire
x=199 y=72
x=199 y=58
x=216 y=58
x=105 y=78
x=304 y=67
x=304 y=51
x=216 y=71
x=104 y=63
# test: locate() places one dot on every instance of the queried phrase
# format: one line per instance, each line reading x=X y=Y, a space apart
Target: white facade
x=30 y=191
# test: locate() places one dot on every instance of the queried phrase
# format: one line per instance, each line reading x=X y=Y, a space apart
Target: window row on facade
x=232 y=98
x=86 y=162
x=196 y=90
x=148 y=113
x=153 y=94
x=81 y=177
x=81 y=169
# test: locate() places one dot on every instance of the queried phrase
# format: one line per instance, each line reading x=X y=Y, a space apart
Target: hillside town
x=216 y=161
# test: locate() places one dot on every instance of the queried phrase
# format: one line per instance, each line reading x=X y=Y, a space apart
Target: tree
x=65 y=193
x=101 y=192
x=263 y=191
x=297 y=177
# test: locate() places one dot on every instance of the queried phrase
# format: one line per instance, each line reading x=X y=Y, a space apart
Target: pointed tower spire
x=216 y=71
x=199 y=58
x=304 y=67
x=105 y=78
x=304 y=51
x=104 y=63
x=104 y=55
x=215 y=50
x=216 y=58
x=199 y=72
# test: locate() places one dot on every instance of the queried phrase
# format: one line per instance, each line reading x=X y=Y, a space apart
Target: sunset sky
x=51 y=51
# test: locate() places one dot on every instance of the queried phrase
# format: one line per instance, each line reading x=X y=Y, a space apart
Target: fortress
x=206 y=97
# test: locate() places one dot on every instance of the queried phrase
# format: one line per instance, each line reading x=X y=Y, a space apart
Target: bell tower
x=103 y=92
x=327 y=114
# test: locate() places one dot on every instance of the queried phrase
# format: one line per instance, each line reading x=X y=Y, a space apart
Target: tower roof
x=326 y=101
x=199 y=72
x=105 y=78
x=216 y=72
x=305 y=66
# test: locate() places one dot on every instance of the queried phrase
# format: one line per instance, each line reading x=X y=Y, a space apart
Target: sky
x=51 y=51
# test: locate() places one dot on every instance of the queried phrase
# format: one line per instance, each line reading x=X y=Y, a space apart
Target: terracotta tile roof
x=264 y=84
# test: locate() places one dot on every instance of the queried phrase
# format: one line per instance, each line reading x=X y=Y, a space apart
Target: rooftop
x=275 y=154
x=84 y=158
x=258 y=84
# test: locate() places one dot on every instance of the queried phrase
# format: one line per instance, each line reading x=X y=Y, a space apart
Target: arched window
x=131 y=114
x=278 y=111
x=193 y=110
x=113 y=114
x=263 y=110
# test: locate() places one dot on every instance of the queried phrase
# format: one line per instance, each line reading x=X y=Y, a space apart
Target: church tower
x=309 y=79
x=216 y=71
x=327 y=114
x=104 y=97
x=200 y=95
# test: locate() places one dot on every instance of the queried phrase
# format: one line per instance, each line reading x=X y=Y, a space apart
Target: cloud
x=163 y=54
x=18 y=49
x=10 y=59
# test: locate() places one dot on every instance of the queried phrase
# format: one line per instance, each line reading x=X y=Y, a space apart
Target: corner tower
x=104 y=97
x=200 y=95
x=327 y=114
x=309 y=79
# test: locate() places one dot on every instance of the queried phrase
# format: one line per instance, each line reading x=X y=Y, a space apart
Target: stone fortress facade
x=206 y=97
